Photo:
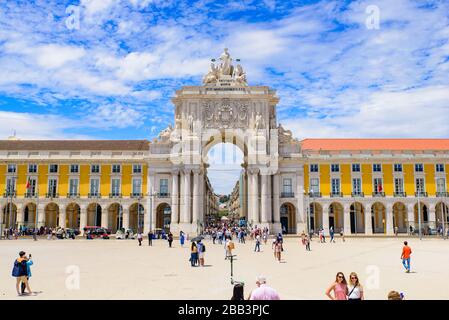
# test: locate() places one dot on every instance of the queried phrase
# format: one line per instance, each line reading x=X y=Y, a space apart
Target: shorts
x=22 y=279
x=201 y=255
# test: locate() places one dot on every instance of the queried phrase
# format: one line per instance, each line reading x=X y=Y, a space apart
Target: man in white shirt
x=263 y=291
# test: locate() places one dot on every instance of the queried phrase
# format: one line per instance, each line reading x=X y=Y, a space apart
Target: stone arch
x=9 y=213
x=163 y=216
x=357 y=217
x=136 y=217
x=51 y=215
x=73 y=216
x=378 y=217
x=400 y=217
x=316 y=216
x=115 y=217
x=336 y=216
x=424 y=210
x=288 y=217
x=94 y=212
x=442 y=214
x=30 y=215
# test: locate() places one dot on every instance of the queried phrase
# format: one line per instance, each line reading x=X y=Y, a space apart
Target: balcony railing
x=94 y=195
x=9 y=194
x=314 y=194
x=442 y=194
x=421 y=194
x=136 y=195
x=336 y=195
x=115 y=195
x=52 y=195
x=73 y=195
x=400 y=194
x=287 y=194
x=378 y=194
x=357 y=194
x=30 y=195
x=163 y=195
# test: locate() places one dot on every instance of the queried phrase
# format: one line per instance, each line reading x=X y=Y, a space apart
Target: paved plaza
x=120 y=269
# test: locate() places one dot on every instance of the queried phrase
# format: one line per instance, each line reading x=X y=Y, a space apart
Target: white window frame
x=116 y=165
x=140 y=186
x=436 y=167
x=424 y=184
x=77 y=186
x=421 y=164
x=377 y=164
x=398 y=164
x=337 y=165
x=99 y=168
x=141 y=168
x=444 y=184
x=119 y=185
x=360 y=185
x=77 y=170
x=48 y=185
x=401 y=185
x=310 y=184
x=375 y=186
x=33 y=164
x=12 y=165
x=332 y=185
x=14 y=180
x=53 y=164
x=317 y=166
x=90 y=186
x=356 y=164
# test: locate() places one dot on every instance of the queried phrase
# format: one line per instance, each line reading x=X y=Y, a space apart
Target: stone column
x=255 y=197
x=83 y=218
x=264 y=198
x=368 y=221
x=125 y=216
x=432 y=216
x=41 y=215
x=105 y=216
x=186 y=215
x=276 y=205
x=21 y=214
x=148 y=217
x=196 y=201
x=62 y=216
x=174 y=198
x=389 y=219
x=249 y=195
x=301 y=223
x=325 y=218
x=347 y=219
x=411 y=217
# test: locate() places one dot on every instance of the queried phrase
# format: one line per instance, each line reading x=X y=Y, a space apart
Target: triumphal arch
x=226 y=109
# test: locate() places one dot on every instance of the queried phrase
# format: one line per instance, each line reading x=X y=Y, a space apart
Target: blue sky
x=112 y=76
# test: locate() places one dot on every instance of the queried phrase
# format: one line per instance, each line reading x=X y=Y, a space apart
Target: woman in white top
x=355 y=289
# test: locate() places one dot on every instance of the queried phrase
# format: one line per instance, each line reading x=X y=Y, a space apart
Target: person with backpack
x=20 y=272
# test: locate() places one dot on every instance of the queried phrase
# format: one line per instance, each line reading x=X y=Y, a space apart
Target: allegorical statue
x=164 y=135
x=212 y=75
x=239 y=75
x=190 y=121
x=259 y=122
x=226 y=63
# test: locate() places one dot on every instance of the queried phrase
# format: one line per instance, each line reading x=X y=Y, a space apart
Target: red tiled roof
x=75 y=145
x=375 y=144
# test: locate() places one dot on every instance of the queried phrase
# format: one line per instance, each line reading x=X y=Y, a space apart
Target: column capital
x=253 y=170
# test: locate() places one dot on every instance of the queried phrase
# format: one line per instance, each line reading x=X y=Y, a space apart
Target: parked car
x=96 y=232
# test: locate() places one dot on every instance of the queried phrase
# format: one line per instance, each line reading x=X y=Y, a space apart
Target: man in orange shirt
x=405 y=256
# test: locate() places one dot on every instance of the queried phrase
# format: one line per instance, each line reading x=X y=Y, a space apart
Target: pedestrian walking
x=170 y=239
x=139 y=238
x=355 y=288
x=405 y=256
x=323 y=235
x=193 y=254
x=263 y=291
x=229 y=246
x=257 y=247
x=150 y=238
x=181 y=238
x=331 y=234
x=278 y=250
x=19 y=271
x=307 y=242
x=201 y=250
x=339 y=288
x=396 y=231
x=29 y=263
x=342 y=235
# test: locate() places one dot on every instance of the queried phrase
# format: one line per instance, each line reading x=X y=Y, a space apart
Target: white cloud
x=54 y=56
